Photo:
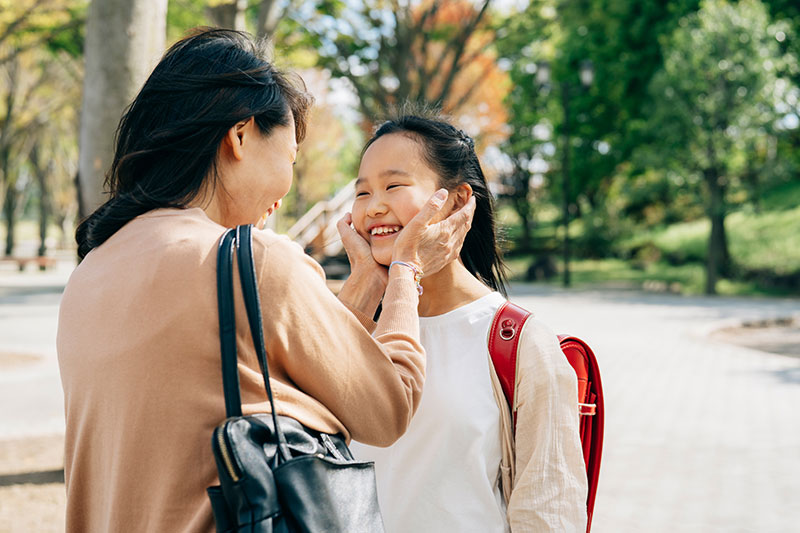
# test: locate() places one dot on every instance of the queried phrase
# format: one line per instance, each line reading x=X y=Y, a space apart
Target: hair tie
x=462 y=136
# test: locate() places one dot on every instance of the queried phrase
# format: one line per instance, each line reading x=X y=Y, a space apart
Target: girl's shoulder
x=540 y=352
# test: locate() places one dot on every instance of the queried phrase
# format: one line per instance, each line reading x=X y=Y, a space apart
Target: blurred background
x=660 y=137
x=634 y=147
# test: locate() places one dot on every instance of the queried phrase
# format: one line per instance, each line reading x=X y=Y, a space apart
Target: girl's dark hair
x=167 y=139
x=450 y=153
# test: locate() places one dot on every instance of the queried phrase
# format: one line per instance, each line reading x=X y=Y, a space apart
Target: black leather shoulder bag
x=275 y=474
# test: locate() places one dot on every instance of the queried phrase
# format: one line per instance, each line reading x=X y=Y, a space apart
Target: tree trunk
x=40 y=171
x=269 y=15
x=718 y=257
x=44 y=217
x=8 y=196
x=9 y=215
x=523 y=209
x=124 y=39
x=230 y=15
x=565 y=181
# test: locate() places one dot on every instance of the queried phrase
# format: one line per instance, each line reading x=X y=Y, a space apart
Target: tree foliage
x=717 y=96
x=39 y=40
x=434 y=53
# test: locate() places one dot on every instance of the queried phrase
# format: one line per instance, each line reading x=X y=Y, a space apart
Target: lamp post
x=586 y=77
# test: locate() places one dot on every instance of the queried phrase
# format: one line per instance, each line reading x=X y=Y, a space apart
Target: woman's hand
x=431 y=246
x=367 y=282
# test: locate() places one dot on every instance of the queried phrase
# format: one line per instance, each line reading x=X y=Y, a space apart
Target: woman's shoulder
x=282 y=254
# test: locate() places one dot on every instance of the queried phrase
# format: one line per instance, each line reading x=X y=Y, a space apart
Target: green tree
x=620 y=40
x=525 y=44
x=37 y=41
x=393 y=51
x=717 y=94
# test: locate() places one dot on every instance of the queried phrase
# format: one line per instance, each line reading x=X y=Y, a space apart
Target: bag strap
x=241 y=237
x=503 y=343
x=227 y=325
x=252 y=301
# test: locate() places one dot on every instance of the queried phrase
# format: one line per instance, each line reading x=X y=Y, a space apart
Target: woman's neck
x=448 y=289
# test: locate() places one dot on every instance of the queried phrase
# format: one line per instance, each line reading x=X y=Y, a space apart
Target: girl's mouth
x=384 y=231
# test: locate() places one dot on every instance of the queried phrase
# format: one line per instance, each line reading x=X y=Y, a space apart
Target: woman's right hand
x=430 y=246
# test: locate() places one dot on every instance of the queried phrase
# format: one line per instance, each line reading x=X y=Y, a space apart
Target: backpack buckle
x=508 y=329
x=587 y=409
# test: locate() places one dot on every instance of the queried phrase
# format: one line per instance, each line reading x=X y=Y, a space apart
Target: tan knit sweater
x=138 y=346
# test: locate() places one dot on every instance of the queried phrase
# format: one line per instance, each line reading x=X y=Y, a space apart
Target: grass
x=767 y=240
x=672 y=258
x=657 y=277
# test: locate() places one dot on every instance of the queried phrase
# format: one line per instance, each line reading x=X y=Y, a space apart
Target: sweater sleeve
x=550 y=487
x=371 y=383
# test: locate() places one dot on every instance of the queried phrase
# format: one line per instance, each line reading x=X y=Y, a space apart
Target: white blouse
x=442 y=476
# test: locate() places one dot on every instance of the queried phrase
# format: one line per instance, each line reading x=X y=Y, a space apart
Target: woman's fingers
x=355 y=245
x=432 y=246
x=442 y=241
x=461 y=221
x=345 y=222
x=430 y=209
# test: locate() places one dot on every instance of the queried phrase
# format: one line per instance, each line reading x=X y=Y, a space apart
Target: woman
x=451 y=471
x=208 y=144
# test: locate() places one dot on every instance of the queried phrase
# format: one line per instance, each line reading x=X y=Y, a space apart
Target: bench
x=42 y=262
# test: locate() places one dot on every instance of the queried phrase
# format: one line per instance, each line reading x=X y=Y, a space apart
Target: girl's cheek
x=358 y=222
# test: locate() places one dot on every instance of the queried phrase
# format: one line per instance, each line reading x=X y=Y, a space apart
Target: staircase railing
x=316 y=230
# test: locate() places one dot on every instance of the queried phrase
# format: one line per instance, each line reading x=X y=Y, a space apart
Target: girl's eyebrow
x=384 y=174
x=394 y=172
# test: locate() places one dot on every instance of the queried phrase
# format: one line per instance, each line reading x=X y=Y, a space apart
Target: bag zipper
x=326 y=440
x=226 y=454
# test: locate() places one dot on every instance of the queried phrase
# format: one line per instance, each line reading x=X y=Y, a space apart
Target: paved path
x=30 y=386
x=700 y=436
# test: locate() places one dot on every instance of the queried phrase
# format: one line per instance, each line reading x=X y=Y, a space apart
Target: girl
x=451 y=472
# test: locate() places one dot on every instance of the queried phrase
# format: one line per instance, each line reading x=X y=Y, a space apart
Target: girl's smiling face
x=393 y=184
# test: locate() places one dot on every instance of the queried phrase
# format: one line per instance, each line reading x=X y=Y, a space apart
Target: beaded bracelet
x=417 y=273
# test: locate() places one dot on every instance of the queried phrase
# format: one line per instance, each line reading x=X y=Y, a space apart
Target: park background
x=664 y=133
x=634 y=147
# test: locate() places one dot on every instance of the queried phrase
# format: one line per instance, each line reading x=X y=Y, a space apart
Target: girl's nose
x=376 y=207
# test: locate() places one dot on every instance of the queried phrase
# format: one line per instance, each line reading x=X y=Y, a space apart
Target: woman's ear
x=235 y=138
x=461 y=196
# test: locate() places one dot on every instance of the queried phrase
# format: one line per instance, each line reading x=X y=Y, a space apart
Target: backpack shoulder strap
x=503 y=345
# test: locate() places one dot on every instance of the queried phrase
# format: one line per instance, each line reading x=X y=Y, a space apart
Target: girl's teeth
x=384 y=231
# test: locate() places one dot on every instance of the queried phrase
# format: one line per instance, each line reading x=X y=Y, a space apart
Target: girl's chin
x=382 y=258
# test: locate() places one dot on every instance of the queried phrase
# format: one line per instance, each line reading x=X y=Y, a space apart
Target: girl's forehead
x=395 y=145
x=392 y=156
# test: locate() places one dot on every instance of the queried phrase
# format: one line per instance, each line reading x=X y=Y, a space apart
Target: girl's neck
x=448 y=289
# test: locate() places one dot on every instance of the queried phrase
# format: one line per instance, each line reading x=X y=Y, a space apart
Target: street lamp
x=586 y=77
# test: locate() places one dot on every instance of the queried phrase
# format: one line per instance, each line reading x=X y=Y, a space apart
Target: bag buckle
x=508 y=329
x=587 y=409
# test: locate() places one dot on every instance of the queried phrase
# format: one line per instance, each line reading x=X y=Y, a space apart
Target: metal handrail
x=319 y=222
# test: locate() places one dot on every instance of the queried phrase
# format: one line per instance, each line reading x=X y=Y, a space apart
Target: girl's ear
x=461 y=196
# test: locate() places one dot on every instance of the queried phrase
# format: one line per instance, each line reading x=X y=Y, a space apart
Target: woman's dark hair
x=450 y=153
x=168 y=138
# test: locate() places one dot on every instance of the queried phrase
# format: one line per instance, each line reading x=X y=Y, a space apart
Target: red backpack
x=503 y=345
